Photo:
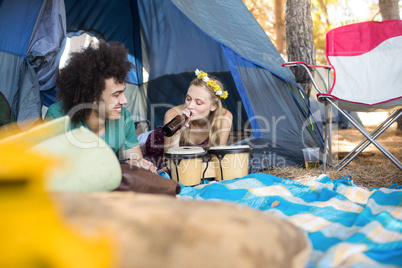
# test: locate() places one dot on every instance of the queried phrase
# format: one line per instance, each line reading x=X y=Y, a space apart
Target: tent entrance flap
x=232 y=60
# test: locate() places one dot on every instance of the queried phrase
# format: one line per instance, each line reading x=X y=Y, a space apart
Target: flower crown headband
x=212 y=84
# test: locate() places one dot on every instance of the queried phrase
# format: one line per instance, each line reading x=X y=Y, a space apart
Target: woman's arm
x=226 y=126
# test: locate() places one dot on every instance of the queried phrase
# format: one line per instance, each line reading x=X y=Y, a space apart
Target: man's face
x=112 y=100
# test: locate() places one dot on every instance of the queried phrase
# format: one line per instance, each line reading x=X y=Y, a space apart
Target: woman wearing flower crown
x=208 y=123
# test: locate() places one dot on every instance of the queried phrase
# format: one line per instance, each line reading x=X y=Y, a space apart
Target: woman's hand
x=174 y=141
x=189 y=115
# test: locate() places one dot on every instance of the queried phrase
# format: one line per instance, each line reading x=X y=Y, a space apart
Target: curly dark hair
x=82 y=80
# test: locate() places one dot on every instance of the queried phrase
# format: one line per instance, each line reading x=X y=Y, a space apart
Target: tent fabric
x=174 y=44
x=6 y=116
x=245 y=35
x=111 y=20
x=30 y=55
x=18 y=19
x=20 y=87
x=170 y=39
x=18 y=82
x=47 y=43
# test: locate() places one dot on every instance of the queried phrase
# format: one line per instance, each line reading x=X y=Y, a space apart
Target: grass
x=370 y=169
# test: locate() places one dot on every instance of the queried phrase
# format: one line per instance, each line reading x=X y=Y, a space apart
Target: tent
x=169 y=39
x=32 y=38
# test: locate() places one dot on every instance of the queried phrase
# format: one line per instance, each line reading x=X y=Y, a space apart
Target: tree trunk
x=299 y=38
x=280 y=26
x=389 y=11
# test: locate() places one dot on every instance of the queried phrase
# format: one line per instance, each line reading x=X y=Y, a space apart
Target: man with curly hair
x=91 y=89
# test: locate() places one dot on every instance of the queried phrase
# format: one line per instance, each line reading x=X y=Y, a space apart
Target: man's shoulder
x=55 y=111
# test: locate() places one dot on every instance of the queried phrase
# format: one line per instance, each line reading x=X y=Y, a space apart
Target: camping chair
x=366 y=59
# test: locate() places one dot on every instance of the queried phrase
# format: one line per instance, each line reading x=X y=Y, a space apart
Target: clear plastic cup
x=311 y=157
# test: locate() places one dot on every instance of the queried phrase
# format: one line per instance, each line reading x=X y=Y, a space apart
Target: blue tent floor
x=345 y=223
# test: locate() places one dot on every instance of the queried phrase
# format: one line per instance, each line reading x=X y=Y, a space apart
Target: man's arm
x=136 y=159
x=131 y=149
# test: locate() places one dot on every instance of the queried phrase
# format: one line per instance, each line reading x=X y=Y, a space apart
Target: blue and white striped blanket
x=348 y=225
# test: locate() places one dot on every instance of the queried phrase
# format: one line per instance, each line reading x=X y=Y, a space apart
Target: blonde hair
x=214 y=119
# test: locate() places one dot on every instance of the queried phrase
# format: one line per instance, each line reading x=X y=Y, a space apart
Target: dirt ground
x=370 y=169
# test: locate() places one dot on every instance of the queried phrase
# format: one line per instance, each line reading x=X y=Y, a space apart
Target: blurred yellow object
x=87 y=163
x=12 y=135
x=32 y=235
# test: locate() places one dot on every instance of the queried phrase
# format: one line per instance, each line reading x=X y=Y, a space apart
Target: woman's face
x=198 y=101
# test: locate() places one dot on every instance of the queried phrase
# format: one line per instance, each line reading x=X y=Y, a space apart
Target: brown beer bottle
x=174 y=125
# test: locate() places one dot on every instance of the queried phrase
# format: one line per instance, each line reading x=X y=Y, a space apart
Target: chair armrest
x=297 y=63
x=306 y=67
